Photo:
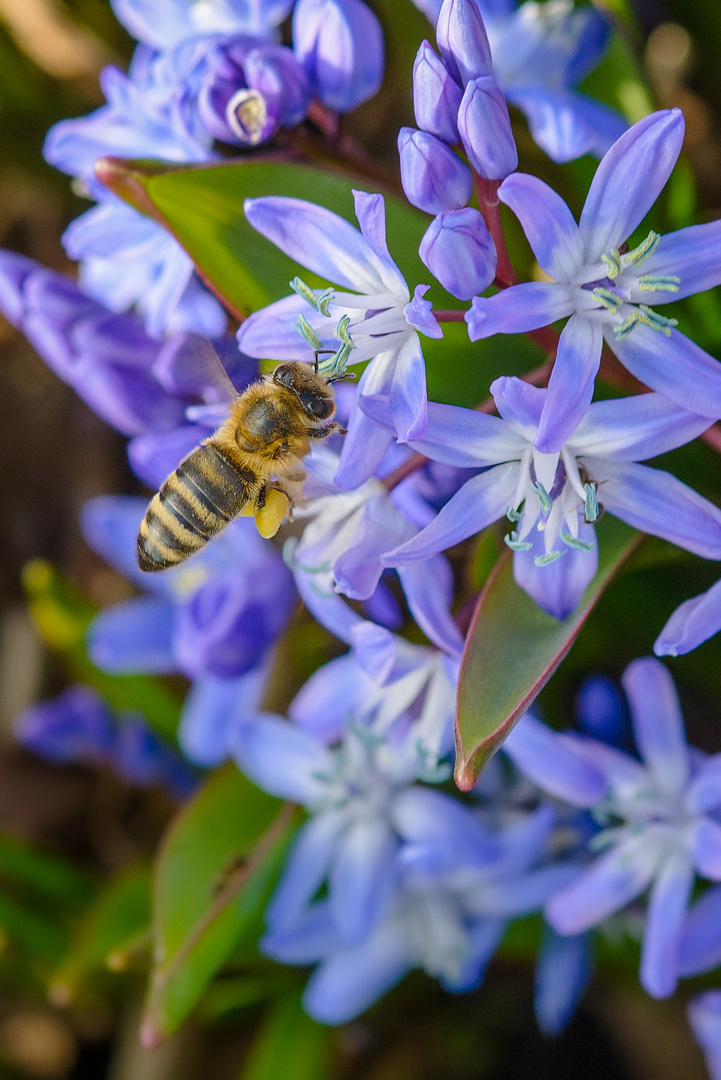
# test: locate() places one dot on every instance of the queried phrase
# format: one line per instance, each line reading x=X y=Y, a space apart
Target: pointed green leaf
x=51 y=877
x=213 y=877
x=62 y=615
x=513 y=648
x=120 y=913
x=289 y=1045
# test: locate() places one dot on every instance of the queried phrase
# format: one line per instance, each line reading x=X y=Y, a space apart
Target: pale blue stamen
x=659 y=283
x=644 y=250
x=341 y=331
x=575 y=542
x=513 y=515
x=320 y=303
x=591 y=504
x=548 y=558
x=613 y=262
x=608 y=299
x=324 y=300
x=512 y=541
x=543 y=497
x=430 y=769
x=308 y=333
x=645 y=316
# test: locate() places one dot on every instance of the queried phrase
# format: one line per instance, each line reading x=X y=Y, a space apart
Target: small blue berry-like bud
x=458 y=250
x=436 y=96
x=462 y=40
x=339 y=43
x=485 y=129
x=434 y=178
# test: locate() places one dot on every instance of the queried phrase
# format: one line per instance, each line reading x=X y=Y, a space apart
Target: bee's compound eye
x=284 y=376
x=316 y=405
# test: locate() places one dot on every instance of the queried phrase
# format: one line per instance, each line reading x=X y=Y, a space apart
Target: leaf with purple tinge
x=513 y=648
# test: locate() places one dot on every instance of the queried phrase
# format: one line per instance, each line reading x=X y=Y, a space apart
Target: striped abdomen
x=206 y=491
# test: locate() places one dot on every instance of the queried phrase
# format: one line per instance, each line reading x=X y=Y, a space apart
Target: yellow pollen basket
x=269 y=518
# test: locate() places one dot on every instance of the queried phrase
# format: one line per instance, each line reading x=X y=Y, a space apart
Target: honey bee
x=252 y=465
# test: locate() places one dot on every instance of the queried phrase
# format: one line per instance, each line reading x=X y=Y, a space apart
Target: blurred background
x=62 y=829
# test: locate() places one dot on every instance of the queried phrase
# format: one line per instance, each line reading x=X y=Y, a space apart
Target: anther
x=247 y=115
x=306 y=331
x=543 y=497
x=575 y=542
x=591 y=503
x=644 y=250
x=613 y=262
x=513 y=515
x=659 y=283
x=511 y=540
x=548 y=558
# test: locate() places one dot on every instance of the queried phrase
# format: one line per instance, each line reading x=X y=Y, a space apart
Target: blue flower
x=661 y=818
x=605 y=289
x=384 y=321
x=340 y=45
x=704 y=1016
x=163 y=24
x=693 y=622
x=540 y=52
x=553 y=499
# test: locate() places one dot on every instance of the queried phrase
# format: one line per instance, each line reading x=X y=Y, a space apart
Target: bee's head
x=313 y=391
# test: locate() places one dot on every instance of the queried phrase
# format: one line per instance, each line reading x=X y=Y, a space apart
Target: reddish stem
x=487 y=191
x=449 y=316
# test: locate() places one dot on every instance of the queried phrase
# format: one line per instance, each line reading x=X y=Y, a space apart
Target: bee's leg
x=271 y=506
x=326 y=430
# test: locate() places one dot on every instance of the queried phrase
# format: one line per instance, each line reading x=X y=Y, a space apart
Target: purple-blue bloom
x=458 y=250
x=339 y=44
x=384 y=320
x=554 y=499
x=660 y=816
x=608 y=294
x=77 y=728
x=163 y=24
x=692 y=623
x=704 y=1016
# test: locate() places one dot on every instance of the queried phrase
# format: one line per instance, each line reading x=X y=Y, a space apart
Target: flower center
x=611 y=292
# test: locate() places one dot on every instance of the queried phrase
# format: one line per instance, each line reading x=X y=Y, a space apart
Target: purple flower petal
x=563 y=971
x=362 y=878
x=479 y=503
x=657 y=503
x=692 y=623
x=514 y=311
x=699 y=948
x=635 y=428
x=704 y=791
x=552 y=762
x=282 y=759
x=333 y=694
x=570 y=387
x=567 y=124
x=467 y=439
x=657 y=722
x=667 y=906
x=213 y=710
x=674 y=366
x=549 y=225
x=558 y=587
x=705 y=848
x=704 y=1016
x=409 y=406
x=306 y=867
x=134 y=636
x=629 y=180
x=428 y=589
x=693 y=254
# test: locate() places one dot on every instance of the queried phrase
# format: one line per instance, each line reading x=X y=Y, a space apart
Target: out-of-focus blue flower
x=600 y=710
x=108 y=359
x=458 y=250
x=126 y=259
x=704 y=1016
x=563 y=971
x=249 y=90
x=540 y=53
x=457 y=885
x=77 y=728
x=692 y=623
x=163 y=24
x=215 y=616
x=607 y=294
x=384 y=320
x=661 y=818
x=699 y=947
x=340 y=45
x=554 y=499
x=485 y=129
x=434 y=178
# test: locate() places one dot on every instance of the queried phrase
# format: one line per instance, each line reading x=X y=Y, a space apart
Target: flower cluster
x=388 y=872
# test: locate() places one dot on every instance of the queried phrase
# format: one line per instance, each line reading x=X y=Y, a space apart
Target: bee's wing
x=217 y=375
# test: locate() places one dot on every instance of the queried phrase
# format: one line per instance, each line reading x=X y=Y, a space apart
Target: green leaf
x=226 y=997
x=203 y=208
x=513 y=648
x=213 y=877
x=40 y=935
x=62 y=615
x=290 y=1045
x=52 y=877
x=120 y=914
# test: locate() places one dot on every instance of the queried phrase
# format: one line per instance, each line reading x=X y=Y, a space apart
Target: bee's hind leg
x=325 y=430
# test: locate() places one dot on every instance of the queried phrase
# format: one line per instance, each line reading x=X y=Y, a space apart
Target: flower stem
x=487 y=191
x=449 y=316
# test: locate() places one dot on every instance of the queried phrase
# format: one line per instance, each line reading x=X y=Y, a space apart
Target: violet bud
x=434 y=178
x=436 y=96
x=458 y=250
x=275 y=73
x=485 y=129
x=75 y=727
x=339 y=43
x=462 y=40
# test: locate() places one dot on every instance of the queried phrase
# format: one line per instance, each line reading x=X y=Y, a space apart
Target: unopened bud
x=436 y=96
x=433 y=177
x=485 y=130
x=462 y=40
x=458 y=250
x=339 y=43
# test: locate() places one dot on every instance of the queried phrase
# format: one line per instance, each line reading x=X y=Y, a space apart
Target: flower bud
x=462 y=40
x=458 y=250
x=339 y=43
x=485 y=130
x=434 y=178
x=436 y=96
